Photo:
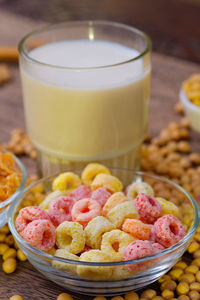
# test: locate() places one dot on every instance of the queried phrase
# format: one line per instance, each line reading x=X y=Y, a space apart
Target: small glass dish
x=192 y=111
x=4 y=205
x=114 y=277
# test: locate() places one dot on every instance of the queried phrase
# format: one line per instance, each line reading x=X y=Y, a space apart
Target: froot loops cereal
x=93 y=218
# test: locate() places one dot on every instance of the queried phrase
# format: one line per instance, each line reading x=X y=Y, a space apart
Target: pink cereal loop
x=135 y=250
x=101 y=195
x=157 y=248
x=169 y=230
x=148 y=208
x=29 y=214
x=80 y=192
x=60 y=209
x=40 y=234
x=85 y=210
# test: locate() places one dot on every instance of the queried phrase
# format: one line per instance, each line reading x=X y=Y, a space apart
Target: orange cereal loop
x=91 y=171
x=64 y=296
x=114 y=200
x=137 y=229
x=109 y=182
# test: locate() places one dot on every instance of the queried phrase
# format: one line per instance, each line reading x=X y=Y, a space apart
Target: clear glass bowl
x=4 y=206
x=113 y=277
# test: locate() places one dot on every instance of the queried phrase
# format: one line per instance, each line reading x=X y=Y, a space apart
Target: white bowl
x=192 y=111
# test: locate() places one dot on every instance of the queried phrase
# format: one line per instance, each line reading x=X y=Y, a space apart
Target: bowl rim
x=22 y=184
x=49 y=257
x=186 y=102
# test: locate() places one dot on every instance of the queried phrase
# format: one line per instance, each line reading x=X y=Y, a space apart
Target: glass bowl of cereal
x=190 y=98
x=12 y=181
x=101 y=231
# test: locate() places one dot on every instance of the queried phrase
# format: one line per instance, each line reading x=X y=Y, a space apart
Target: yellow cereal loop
x=109 y=182
x=114 y=243
x=139 y=187
x=67 y=181
x=65 y=266
x=70 y=236
x=45 y=203
x=122 y=211
x=95 y=272
x=114 y=200
x=91 y=171
x=167 y=207
x=95 y=229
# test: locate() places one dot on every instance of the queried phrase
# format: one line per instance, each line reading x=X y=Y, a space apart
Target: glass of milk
x=86 y=89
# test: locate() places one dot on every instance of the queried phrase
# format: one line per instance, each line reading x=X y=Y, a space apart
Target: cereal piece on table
x=95 y=229
x=131 y=296
x=5 y=74
x=67 y=181
x=122 y=211
x=114 y=200
x=95 y=272
x=157 y=248
x=20 y=255
x=135 y=250
x=148 y=208
x=169 y=230
x=91 y=171
x=10 y=253
x=63 y=253
x=114 y=242
x=45 y=203
x=139 y=187
x=101 y=195
x=9 y=265
x=27 y=215
x=167 y=207
x=60 y=209
x=3 y=248
x=80 y=192
x=85 y=210
x=178 y=108
x=64 y=296
x=16 y=297
x=137 y=229
x=70 y=236
x=109 y=182
x=40 y=234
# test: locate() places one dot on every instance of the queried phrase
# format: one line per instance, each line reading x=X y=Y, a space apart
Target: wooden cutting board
x=167 y=75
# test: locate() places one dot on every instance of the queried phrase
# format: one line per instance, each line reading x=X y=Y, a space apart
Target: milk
x=79 y=107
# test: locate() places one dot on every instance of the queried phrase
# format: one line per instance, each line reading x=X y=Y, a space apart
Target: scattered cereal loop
x=85 y=210
x=114 y=243
x=67 y=181
x=101 y=195
x=122 y=211
x=139 y=187
x=114 y=200
x=167 y=207
x=80 y=192
x=137 y=229
x=70 y=236
x=60 y=209
x=40 y=234
x=95 y=229
x=109 y=182
x=91 y=171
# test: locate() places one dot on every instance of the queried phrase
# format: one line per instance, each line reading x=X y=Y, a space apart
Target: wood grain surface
x=167 y=75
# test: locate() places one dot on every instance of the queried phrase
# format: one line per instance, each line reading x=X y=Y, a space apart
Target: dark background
x=173 y=25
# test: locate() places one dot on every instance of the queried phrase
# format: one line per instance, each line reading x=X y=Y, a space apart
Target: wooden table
x=168 y=73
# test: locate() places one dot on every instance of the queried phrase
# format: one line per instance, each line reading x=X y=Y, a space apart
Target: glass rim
x=22 y=184
x=50 y=257
x=23 y=53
